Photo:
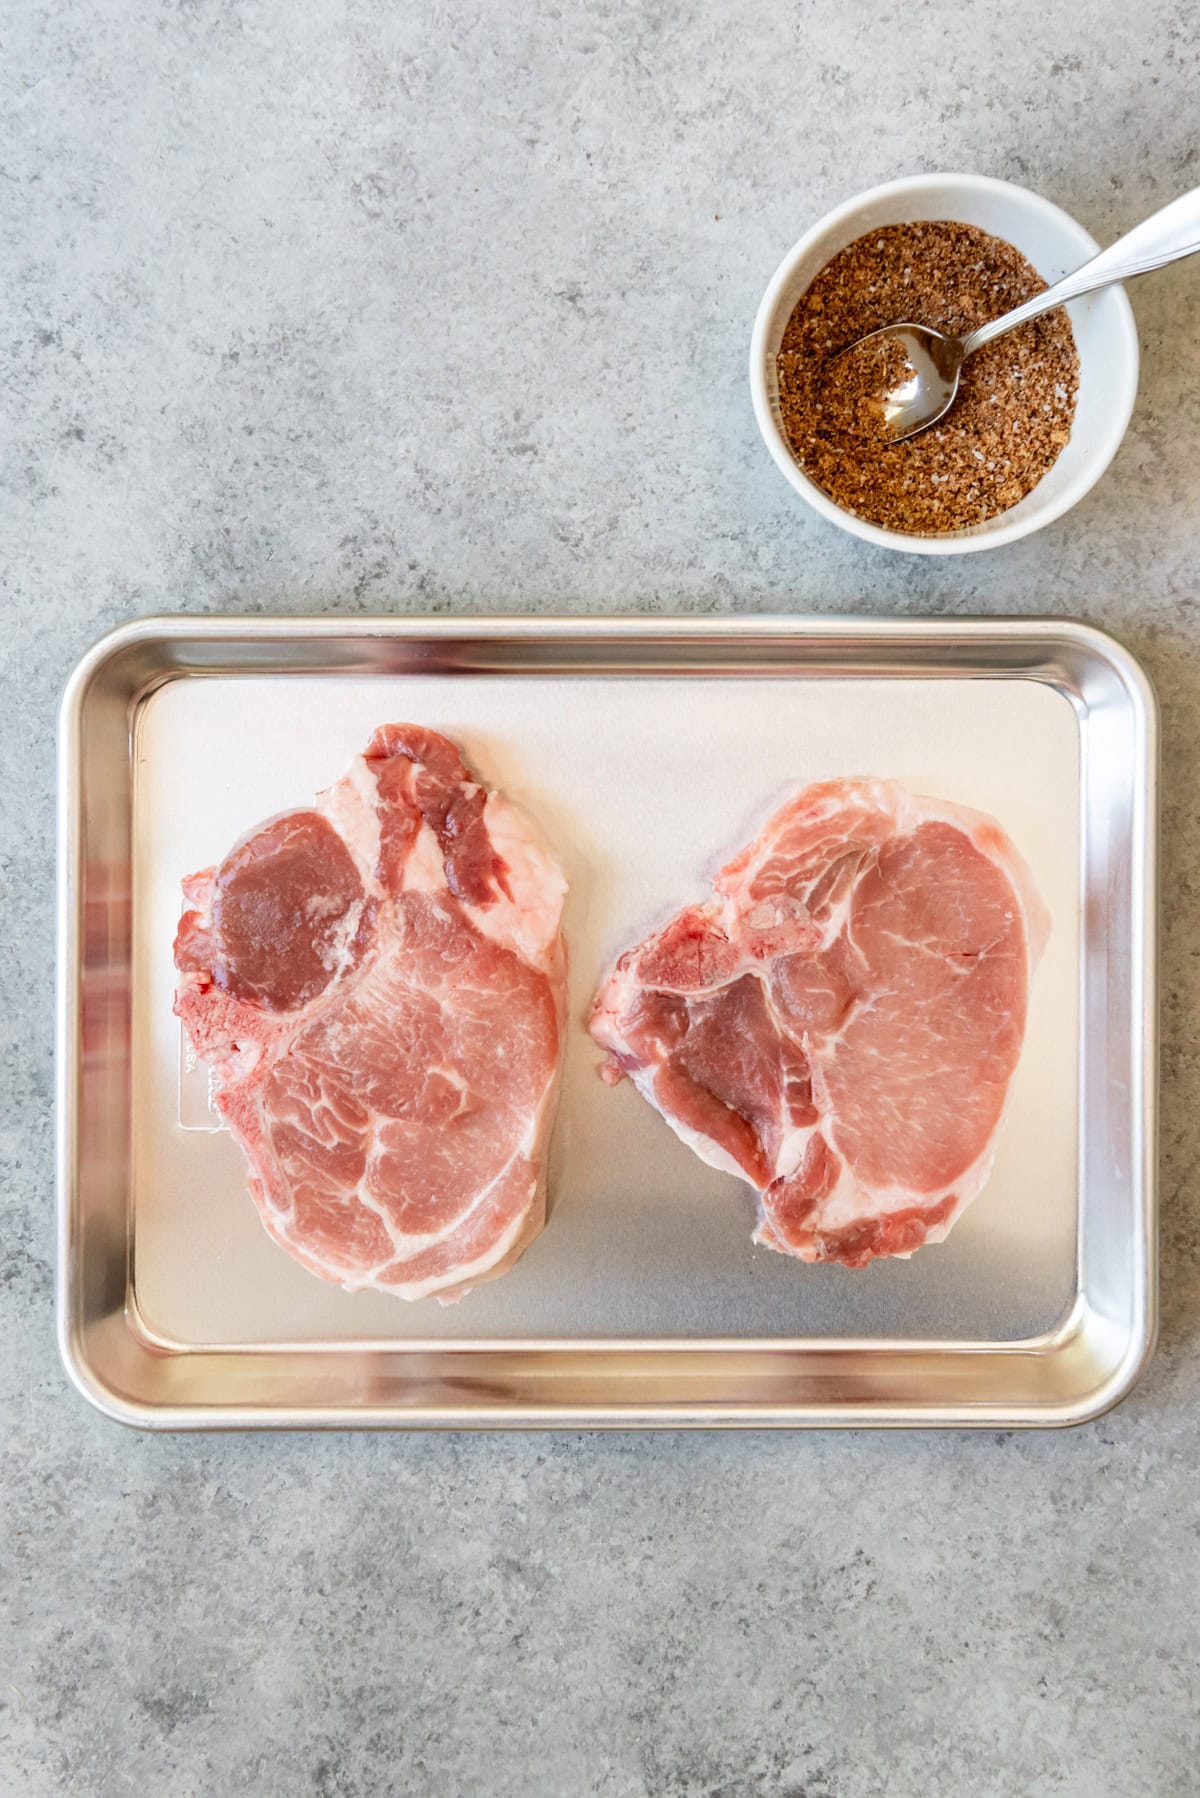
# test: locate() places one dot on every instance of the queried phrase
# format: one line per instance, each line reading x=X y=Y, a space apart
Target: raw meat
x=840 y=1023
x=378 y=982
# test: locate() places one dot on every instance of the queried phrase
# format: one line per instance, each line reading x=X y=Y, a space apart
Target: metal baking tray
x=645 y=748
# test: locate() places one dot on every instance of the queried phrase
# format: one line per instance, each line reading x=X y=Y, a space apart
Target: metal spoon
x=929 y=374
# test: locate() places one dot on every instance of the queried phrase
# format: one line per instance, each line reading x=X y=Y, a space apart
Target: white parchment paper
x=642 y=786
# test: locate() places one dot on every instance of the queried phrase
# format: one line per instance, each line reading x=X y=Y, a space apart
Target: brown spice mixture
x=1015 y=402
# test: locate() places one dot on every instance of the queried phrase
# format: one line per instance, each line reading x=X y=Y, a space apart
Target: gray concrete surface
x=392 y=308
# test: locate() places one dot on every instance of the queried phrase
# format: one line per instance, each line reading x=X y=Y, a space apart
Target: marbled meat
x=378 y=982
x=840 y=1023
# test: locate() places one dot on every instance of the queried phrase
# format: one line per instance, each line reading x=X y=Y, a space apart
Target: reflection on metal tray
x=645 y=749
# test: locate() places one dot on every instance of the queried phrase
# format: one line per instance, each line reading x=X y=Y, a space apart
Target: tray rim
x=642 y=632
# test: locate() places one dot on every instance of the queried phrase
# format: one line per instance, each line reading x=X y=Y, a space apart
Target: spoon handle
x=1162 y=238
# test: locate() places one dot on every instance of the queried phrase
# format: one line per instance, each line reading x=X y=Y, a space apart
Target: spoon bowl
x=900 y=379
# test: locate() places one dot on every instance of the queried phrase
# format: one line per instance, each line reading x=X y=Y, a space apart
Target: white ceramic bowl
x=1055 y=243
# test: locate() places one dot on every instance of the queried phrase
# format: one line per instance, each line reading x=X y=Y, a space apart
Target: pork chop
x=839 y=1025
x=378 y=982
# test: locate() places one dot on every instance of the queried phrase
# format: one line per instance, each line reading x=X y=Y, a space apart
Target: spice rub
x=1016 y=400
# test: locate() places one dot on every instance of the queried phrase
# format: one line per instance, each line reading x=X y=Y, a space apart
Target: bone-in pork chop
x=378 y=981
x=840 y=1023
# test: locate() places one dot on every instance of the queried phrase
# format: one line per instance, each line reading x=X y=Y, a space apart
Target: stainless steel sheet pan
x=646 y=749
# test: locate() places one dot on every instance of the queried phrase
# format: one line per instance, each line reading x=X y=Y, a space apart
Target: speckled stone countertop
x=365 y=307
